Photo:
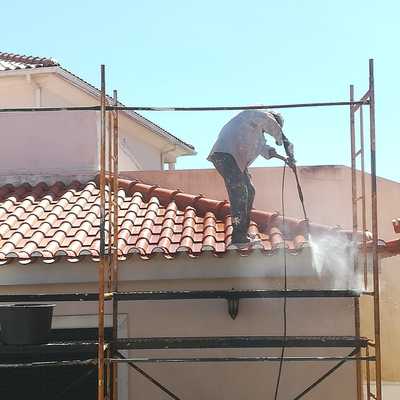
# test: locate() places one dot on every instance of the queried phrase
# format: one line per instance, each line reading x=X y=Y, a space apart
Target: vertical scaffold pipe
x=109 y=228
x=355 y=225
x=363 y=201
x=102 y=261
x=114 y=253
x=375 y=261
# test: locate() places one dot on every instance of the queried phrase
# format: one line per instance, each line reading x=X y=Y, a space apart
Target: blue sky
x=188 y=53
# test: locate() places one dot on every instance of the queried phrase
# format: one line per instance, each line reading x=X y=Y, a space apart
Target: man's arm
x=270 y=126
x=269 y=152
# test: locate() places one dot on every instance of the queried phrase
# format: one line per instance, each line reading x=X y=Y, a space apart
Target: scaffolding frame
x=108 y=352
x=356 y=198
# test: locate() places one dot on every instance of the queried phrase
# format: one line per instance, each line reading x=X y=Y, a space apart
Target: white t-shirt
x=243 y=137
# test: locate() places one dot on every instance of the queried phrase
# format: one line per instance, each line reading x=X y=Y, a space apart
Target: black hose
x=292 y=165
x=282 y=355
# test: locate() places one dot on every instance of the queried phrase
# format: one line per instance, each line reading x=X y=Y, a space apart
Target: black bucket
x=25 y=323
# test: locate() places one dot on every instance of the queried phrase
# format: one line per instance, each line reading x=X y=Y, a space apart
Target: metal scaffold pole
x=102 y=261
x=375 y=261
x=114 y=247
x=357 y=327
x=369 y=96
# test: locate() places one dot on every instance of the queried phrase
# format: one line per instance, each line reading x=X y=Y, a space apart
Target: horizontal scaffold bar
x=236 y=359
x=190 y=343
x=249 y=107
x=62 y=363
x=227 y=294
x=239 y=342
x=77 y=346
x=363 y=99
x=211 y=108
x=181 y=295
x=48 y=297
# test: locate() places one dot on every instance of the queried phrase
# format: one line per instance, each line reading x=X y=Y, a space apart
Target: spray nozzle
x=291 y=162
x=288 y=146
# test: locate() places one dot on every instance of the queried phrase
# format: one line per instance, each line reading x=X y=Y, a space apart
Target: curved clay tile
x=5 y=191
x=153 y=221
x=165 y=196
x=28 y=61
x=39 y=190
x=184 y=200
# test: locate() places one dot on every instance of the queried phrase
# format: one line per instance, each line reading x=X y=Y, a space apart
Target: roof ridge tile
x=28 y=60
x=396 y=225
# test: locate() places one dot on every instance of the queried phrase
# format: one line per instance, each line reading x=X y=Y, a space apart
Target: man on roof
x=239 y=143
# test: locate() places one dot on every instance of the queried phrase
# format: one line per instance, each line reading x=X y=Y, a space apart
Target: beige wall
x=327 y=193
x=237 y=381
x=327 y=196
x=210 y=317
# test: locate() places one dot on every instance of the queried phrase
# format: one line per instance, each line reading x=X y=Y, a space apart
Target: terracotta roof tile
x=392 y=247
x=396 y=225
x=9 y=61
x=58 y=221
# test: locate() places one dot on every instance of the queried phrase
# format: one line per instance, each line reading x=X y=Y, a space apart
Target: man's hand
x=270 y=152
x=291 y=162
x=274 y=154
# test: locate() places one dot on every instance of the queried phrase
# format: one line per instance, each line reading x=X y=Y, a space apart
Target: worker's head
x=278 y=118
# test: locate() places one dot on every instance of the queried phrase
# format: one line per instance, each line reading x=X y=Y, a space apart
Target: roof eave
x=187 y=149
x=28 y=71
x=93 y=91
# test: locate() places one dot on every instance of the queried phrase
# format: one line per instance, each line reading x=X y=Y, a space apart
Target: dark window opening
x=51 y=383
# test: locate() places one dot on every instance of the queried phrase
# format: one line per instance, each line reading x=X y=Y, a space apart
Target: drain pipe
x=171 y=165
x=37 y=89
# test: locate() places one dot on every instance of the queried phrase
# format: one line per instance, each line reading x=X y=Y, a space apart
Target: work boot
x=245 y=241
x=240 y=240
x=254 y=239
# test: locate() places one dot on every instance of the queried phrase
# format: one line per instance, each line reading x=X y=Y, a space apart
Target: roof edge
x=94 y=91
x=24 y=59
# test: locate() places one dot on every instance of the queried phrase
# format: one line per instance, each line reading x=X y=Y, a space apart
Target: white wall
x=135 y=150
x=140 y=147
x=48 y=142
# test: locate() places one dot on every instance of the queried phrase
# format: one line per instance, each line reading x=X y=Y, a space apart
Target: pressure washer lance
x=291 y=162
